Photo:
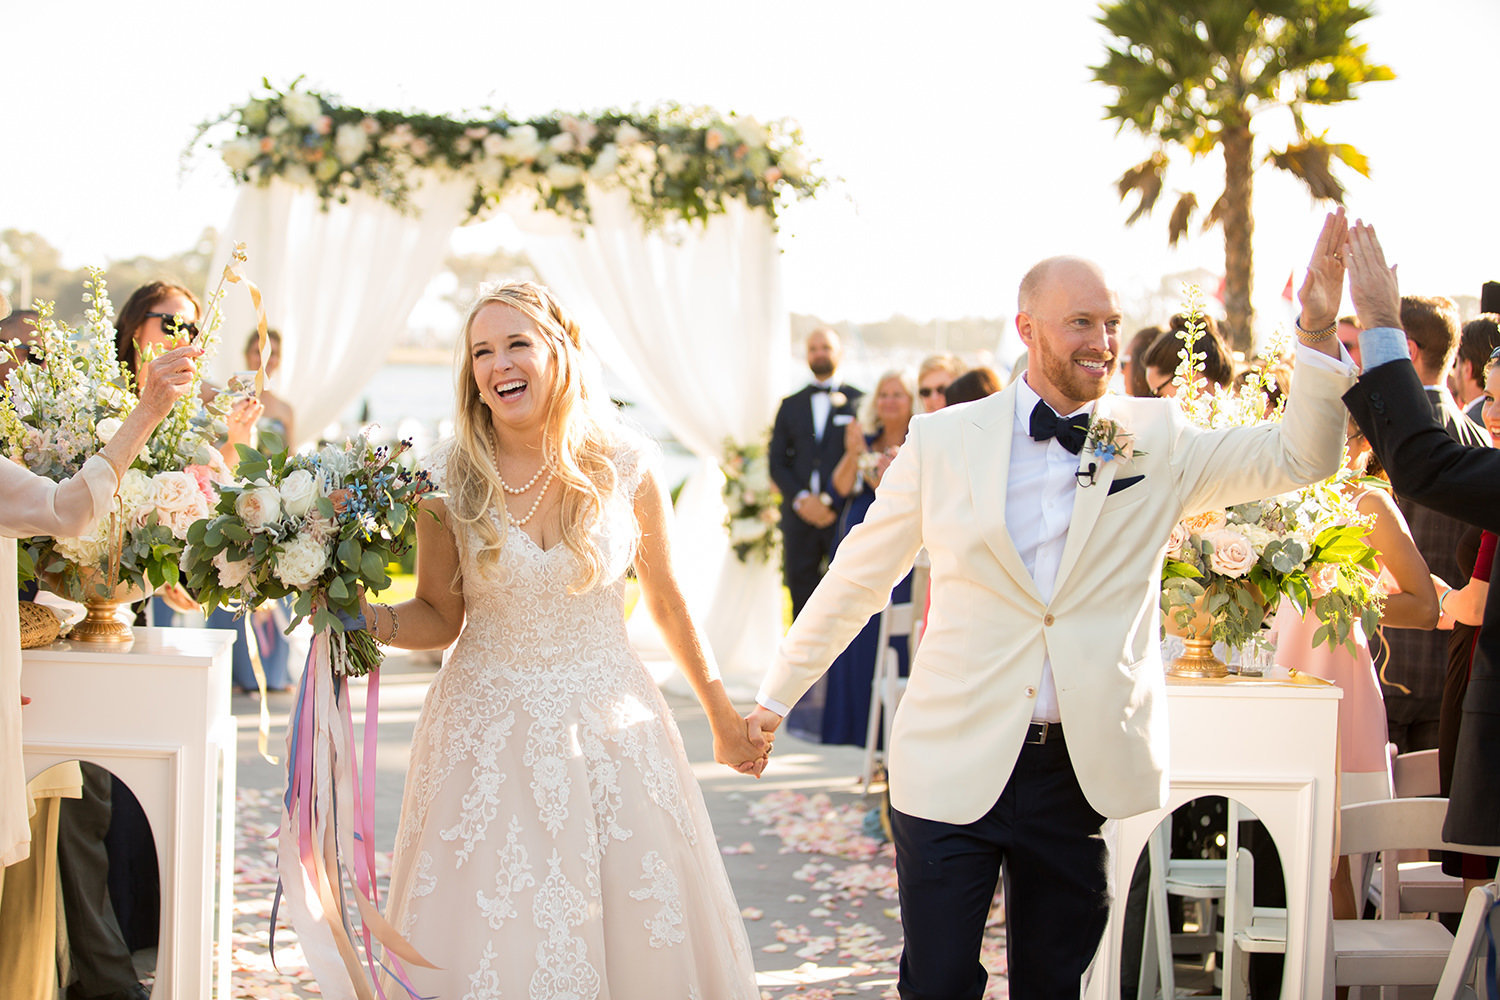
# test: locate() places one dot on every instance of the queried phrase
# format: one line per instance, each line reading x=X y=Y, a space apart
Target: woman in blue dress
x=837 y=709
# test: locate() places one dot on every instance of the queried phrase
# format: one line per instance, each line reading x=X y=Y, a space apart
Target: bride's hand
x=735 y=747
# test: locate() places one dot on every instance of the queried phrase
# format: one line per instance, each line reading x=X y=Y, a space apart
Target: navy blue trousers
x=1056 y=895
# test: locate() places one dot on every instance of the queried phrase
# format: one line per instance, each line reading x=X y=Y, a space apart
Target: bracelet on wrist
x=1315 y=336
x=1442 y=598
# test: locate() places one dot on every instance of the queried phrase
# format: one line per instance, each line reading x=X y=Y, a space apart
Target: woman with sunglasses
x=160 y=315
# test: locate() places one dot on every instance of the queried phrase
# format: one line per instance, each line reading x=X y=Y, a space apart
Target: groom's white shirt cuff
x=1343 y=364
x=773 y=705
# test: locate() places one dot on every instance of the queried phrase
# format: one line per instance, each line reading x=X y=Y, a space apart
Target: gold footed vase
x=101 y=622
x=1197 y=660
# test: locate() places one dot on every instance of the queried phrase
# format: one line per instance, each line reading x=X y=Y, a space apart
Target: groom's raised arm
x=868 y=564
x=1217 y=469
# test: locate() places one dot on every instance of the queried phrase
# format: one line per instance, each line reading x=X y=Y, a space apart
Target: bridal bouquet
x=55 y=415
x=752 y=499
x=315 y=527
x=1230 y=566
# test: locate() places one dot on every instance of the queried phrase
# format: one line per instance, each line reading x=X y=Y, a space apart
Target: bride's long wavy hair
x=577 y=438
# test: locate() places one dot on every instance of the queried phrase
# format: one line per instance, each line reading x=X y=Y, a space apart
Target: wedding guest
x=1418 y=661
x=1410 y=603
x=976 y=383
x=1348 y=334
x=1462 y=611
x=267 y=622
x=1132 y=362
x=18 y=328
x=1164 y=353
x=807 y=441
x=553 y=837
x=1480 y=336
x=1036 y=707
x=934 y=375
x=37 y=506
x=839 y=710
x=279 y=415
x=1395 y=411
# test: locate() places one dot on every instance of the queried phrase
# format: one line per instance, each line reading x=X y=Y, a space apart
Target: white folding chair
x=896 y=623
x=1463 y=978
x=1205 y=881
x=1415 y=884
x=1394 y=952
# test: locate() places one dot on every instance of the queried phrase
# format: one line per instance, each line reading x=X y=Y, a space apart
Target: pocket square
x=1123 y=484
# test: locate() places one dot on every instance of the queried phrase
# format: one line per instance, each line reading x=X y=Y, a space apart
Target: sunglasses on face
x=174 y=325
x=929 y=390
x=1495 y=354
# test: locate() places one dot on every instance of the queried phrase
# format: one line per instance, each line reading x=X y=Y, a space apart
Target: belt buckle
x=1037 y=732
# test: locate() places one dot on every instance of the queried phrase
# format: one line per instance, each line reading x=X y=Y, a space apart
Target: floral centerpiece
x=57 y=414
x=1225 y=568
x=314 y=527
x=673 y=161
x=752 y=498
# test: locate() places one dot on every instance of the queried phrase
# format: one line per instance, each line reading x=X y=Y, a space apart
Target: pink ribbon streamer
x=327 y=829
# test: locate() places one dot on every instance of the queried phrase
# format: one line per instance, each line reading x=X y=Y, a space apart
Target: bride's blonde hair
x=577 y=435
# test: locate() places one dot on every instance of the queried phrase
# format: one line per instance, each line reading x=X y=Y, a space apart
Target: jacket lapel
x=1088 y=500
x=986 y=439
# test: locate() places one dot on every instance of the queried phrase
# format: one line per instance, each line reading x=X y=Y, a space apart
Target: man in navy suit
x=807 y=441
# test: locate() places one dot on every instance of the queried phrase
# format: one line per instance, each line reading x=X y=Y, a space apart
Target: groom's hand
x=760 y=727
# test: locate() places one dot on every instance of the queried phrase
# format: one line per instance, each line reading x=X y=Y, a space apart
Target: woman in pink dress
x=1411 y=602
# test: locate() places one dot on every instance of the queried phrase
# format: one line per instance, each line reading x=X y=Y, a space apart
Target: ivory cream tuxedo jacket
x=962 y=721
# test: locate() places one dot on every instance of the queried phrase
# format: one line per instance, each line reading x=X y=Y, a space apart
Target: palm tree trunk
x=1239 y=228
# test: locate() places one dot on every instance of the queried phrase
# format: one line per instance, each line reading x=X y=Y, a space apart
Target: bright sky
x=967 y=135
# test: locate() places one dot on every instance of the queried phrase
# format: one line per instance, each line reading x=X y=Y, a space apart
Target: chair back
x=1416 y=774
x=1399 y=824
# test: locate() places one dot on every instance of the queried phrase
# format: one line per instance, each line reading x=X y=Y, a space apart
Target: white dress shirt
x=1039 y=492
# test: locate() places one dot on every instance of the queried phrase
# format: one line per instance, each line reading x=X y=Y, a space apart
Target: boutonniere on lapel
x=1107 y=441
x=837 y=400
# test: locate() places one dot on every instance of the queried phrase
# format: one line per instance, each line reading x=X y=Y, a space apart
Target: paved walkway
x=818 y=896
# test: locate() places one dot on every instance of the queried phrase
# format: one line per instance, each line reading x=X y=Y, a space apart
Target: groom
x=1035 y=706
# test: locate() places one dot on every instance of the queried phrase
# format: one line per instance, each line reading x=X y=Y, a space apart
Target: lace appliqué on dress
x=666 y=924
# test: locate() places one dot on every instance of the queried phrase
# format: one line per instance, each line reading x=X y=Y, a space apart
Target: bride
x=553 y=841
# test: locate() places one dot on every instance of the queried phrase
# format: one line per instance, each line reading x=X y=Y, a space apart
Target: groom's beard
x=822 y=370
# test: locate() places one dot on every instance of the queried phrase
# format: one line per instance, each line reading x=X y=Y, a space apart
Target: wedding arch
x=656 y=228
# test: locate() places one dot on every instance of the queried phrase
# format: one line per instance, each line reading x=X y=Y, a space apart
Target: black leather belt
x=1043 y=732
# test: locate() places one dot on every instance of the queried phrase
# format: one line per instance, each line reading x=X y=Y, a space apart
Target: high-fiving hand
x=1372 y=284
x=1323 y=288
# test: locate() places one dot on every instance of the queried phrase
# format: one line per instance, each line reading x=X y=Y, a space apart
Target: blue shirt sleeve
x=1381 y=345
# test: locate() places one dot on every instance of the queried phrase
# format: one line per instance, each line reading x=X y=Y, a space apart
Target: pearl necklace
x=546 y=484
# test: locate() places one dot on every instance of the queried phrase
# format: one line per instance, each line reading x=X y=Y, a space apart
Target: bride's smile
x=512 y=365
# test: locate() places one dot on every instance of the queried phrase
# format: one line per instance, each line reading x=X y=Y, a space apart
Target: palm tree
x=1195 y=73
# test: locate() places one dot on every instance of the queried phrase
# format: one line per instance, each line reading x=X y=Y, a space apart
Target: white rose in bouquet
x=302 y=560
x=107 y=428
x=179 y=502
x=259 y=508
x=1233 y=555
x=298 y=491
x=302 y=109
x=238 y=154
x=746 y=529
x=350 y=143
x=232 y=572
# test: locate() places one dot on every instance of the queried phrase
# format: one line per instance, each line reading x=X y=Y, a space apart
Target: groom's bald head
x=1043 y=273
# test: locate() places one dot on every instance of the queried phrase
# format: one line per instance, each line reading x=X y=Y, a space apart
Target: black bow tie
x=821 y=388
x=1069 y=431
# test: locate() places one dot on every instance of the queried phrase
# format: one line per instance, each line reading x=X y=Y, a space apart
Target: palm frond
x=1182 y=215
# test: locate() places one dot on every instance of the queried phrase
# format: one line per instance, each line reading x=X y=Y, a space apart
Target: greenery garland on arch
x=675 y=162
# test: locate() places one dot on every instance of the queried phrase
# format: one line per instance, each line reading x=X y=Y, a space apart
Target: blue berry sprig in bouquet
x=315 y=527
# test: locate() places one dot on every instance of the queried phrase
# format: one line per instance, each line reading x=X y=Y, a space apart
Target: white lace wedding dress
x=553 y=841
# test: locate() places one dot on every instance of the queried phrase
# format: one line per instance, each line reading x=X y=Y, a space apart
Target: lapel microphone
x=1085 y=477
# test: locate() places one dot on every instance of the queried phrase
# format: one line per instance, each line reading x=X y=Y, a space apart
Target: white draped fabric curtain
x=338 y=284
x=689 y=316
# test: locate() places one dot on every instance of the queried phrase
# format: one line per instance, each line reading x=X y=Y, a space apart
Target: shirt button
x=1048 y=620
x=1030 y=691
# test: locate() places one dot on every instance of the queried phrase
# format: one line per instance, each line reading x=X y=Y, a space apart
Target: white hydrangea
x=301 y=561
